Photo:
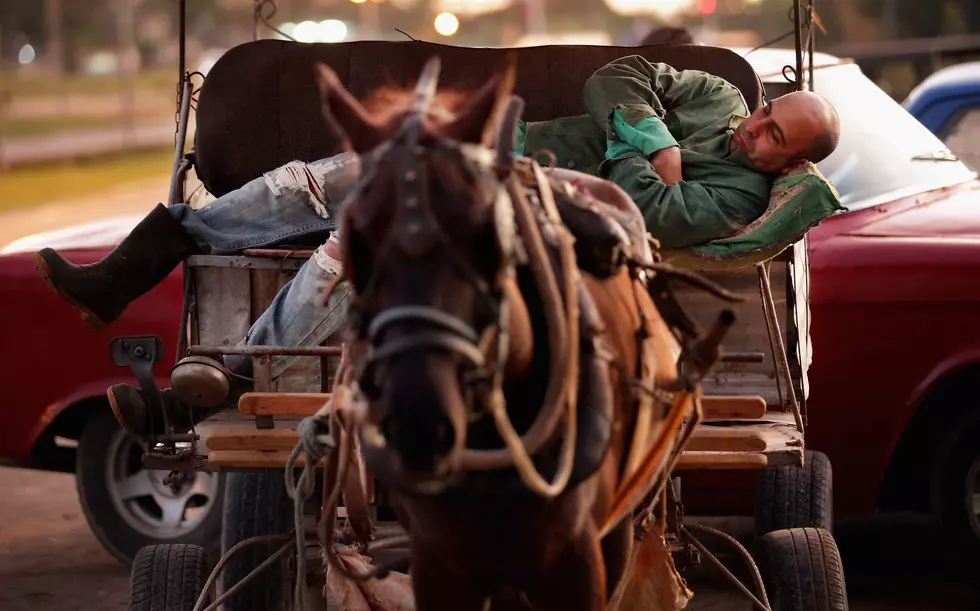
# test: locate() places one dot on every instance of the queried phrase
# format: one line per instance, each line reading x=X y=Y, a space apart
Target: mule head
x=424 y=257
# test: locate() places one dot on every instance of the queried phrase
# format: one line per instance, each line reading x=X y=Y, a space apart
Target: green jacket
x=636 y=108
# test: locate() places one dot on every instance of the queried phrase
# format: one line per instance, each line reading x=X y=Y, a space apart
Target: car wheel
x=795 y=497
x=802 y=570
x=167 y=578
x=128 y=507
x=958 y=476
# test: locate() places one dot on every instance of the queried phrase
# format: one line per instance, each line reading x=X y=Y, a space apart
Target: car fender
x=943 y=370
x=92 y=389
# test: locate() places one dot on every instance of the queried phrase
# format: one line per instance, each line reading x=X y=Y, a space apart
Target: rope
x=315 y=441
x=205 y=591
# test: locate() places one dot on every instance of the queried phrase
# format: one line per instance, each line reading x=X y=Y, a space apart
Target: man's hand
x=667 y=163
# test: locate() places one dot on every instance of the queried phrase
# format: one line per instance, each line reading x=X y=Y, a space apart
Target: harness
x=529 y=231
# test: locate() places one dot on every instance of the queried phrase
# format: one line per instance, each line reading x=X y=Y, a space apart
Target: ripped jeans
x=295 y=202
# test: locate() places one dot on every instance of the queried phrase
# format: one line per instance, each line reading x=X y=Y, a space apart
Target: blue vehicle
x=948 y=104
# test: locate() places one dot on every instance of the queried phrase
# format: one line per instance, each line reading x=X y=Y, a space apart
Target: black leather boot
x=101 y=291
x=133 y=412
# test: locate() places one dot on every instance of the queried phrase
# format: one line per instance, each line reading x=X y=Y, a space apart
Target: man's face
x=777 y=134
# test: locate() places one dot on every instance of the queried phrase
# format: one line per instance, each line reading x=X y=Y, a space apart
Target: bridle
x=415 y=225
x=518 y=229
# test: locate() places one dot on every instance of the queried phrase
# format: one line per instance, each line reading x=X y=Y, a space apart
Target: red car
x=894 y=300
x=53 y=376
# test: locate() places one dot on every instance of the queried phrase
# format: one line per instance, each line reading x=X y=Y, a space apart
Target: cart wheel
x=802 y=570
x=256 y=503
x=795 y=497
x=167 y=577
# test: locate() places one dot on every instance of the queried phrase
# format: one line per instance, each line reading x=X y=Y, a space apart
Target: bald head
x=827 y=125
x=800 y=126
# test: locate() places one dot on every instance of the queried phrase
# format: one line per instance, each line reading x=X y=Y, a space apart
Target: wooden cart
x=258 y=110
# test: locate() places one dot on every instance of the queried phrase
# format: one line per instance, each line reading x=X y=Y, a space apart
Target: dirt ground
x=50 y=561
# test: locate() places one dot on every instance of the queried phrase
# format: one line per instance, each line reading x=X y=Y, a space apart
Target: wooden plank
x=718 y=439
x=281 y=404
x=240 y=262
x=303 y=375
x=748 y=334
x=263 y=286
x=222 y=305
x=723 y=461
x=729 y=406
x=279 y=253
x=251 y=459
x=255 y=439
x=801 y=358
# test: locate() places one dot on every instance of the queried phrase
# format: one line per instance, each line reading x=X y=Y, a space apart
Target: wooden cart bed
x=747 y=423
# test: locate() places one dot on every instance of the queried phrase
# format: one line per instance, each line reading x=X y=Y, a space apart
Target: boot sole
x=90 y=317
x=117 y=413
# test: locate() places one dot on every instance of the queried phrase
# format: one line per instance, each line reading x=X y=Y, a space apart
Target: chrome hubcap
x=145 y=503
x=972 y=498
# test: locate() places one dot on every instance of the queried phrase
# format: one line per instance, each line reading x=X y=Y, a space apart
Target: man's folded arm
x=681 y=214
x=631 y=96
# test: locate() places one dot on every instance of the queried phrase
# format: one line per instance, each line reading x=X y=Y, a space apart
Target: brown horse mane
x=388 y=101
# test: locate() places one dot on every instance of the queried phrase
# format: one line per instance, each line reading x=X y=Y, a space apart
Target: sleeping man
x=681 y=144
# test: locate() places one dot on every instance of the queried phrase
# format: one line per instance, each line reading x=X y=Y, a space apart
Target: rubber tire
x=802 y=570
x=795 y=497
x=112 y=531
x=168 y=577
x=256 y=504
x=959 y=452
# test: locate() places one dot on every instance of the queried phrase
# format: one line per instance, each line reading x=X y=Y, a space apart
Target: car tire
x=958 y=480
x=256 y=503
x=795 y=497
x=128 y=507
x=167 y=577
x=802 y=570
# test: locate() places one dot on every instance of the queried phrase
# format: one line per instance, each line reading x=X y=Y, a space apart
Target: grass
x=28 y=186
x=43 y=126
x=25 y=84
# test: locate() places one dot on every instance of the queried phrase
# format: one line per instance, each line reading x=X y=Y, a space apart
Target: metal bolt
x=139 y=351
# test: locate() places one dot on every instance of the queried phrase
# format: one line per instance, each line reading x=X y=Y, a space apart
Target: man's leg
x=289 y=203
x=300 y=314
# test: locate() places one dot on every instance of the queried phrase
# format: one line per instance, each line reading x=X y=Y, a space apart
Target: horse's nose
x=422 y=446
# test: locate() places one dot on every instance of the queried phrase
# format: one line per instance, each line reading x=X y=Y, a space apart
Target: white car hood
x=102 y=233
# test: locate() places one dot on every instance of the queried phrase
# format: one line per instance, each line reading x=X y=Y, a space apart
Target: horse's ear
x=480 y=120
x=344 y=114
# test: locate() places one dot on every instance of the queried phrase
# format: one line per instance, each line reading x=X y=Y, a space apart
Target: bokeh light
x=26 y=55
x=307 y=31
x=332 y=30
x=446 y=24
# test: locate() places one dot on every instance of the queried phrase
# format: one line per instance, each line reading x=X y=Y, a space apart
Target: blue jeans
x=296 y=202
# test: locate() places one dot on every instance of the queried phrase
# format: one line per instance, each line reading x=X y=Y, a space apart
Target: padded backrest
x=259 y=107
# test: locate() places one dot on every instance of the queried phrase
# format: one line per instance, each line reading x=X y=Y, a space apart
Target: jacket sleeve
x=632 y=92
x=684 y=213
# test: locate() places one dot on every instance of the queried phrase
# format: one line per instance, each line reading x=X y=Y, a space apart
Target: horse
x=500 y=381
